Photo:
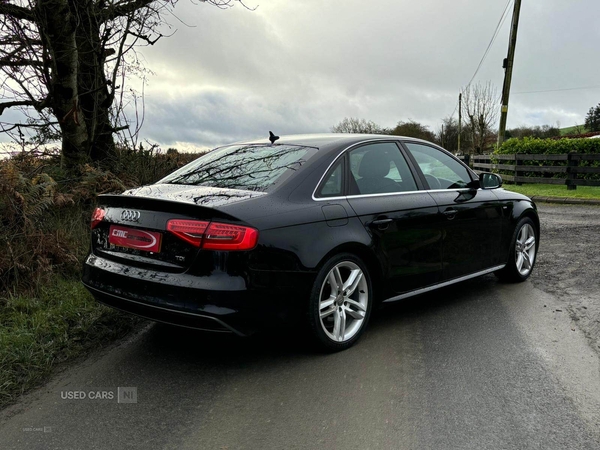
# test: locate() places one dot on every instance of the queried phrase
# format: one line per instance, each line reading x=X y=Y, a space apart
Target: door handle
x=381 y=224
x=450 y=213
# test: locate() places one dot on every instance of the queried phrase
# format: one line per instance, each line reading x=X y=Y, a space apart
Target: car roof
x=327 y=139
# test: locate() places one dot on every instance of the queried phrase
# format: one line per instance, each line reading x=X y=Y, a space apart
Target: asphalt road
x=482 y=365
x=568 y=262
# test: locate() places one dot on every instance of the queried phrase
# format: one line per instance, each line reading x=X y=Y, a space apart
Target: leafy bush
x=549 y=146
x=532 y=146
x=28 y=198
x=138 y=167
x=44 y=211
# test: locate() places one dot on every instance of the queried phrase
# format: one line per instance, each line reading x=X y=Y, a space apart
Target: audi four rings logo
x=130 y=215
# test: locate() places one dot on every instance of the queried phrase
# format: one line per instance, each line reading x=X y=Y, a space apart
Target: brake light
x=222 y=236
x=97 y=217
x=191 y=231
x=214 y=235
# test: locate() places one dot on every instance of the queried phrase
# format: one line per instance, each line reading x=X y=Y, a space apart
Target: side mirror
x=490 y=180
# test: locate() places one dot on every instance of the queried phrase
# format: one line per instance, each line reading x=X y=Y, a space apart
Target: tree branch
x=17 y=12
x=122 y=9
x=146 y=38
x=7 y=62
x=6 y=105
x=20 y=40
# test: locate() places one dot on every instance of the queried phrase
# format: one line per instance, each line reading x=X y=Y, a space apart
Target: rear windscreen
x=248 y=167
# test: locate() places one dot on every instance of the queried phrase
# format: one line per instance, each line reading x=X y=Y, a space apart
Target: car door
x=472 y=218
x=401 y=219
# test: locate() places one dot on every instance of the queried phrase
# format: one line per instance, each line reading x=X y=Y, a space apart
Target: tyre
x=522 y=252
x=340 y=304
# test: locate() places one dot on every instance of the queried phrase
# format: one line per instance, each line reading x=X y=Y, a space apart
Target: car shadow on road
x=181 y=344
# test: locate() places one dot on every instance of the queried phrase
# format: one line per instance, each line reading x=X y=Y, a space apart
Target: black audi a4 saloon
x=309 y=228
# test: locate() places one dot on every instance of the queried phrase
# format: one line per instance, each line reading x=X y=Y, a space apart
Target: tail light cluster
x=203 y=234
x=97 y=217
x=214 y=235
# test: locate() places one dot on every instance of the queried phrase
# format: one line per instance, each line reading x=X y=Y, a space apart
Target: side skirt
x=441 y=285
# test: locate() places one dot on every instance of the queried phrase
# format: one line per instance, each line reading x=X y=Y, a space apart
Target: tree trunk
x=79 y=95
x=58 y=30
x=94 y=96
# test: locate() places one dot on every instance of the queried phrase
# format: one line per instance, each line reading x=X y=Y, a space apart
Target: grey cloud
x=302 y=66
x=218 y=117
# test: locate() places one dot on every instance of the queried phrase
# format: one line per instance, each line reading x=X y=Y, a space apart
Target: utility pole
x=508 y=66
x=459 y=120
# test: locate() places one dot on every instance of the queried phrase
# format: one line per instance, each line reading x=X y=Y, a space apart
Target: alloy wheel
x=525 y=249
x=343 y=301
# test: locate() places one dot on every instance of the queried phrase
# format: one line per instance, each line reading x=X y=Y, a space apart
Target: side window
x=440 y=170
x=378 y=169
x=333 y=185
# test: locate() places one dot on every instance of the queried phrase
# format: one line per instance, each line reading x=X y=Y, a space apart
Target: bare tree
x=480 y=109
x=65 y=62
x=352 y=125
x=447 y=135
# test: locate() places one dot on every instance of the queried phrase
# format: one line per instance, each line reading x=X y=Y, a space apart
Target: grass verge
x=38 y=332
x=553 y=190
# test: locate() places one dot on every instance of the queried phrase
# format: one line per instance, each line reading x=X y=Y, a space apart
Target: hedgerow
x=531 y=146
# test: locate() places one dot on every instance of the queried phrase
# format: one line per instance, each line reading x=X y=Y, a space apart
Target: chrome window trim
x=314 y=197
x=384 y=194
x=443 y=284
x=346 y=197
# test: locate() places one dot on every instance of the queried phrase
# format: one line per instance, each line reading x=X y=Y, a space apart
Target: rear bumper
x=165 y=315
x=219 y=302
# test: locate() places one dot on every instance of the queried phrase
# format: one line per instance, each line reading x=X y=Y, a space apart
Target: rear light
x=191 y=231
x=214 y=235
x=222 y=236
x=97 y=217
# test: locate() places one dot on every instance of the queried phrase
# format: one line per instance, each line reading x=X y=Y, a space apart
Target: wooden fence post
x=517 y=162
x=571 y=174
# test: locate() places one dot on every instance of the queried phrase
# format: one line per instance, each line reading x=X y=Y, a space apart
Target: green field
x=552 y=190
x=572 y=130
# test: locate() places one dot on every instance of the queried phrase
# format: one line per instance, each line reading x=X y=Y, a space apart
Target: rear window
x=248 y=167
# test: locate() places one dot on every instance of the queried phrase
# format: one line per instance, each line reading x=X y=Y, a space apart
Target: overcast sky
x=302 y=66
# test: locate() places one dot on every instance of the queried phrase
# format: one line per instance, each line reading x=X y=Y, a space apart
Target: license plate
x=148 y=241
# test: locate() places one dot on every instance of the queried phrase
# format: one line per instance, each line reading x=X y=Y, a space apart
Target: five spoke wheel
x=525 y=249
x=341 y=301
x=522 y=252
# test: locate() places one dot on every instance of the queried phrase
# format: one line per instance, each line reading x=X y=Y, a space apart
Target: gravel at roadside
x=568 y=263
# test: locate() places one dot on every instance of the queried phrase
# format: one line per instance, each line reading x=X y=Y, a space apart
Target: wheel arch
x=366 y=255
x=529 y=210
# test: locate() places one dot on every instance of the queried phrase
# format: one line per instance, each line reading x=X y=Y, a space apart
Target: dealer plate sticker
x=148 y=241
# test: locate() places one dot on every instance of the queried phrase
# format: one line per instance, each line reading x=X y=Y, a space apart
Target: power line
x=487 y=50
x=560 y=90
x=495 y=35
x=455 y=109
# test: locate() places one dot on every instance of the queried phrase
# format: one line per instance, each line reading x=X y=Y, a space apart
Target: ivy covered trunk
x=79 y=95
x=58 y=31
x=94 y=97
